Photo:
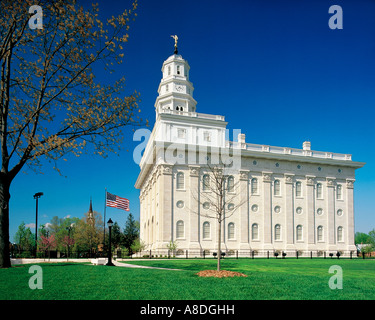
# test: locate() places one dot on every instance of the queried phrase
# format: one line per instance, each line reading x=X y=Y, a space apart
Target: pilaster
x=310 y=206
x=194 y=215
x=166 y=203
x=350 y=214
x=289 y=209
x=244 y=210
x=331 y=211
x=267 y=211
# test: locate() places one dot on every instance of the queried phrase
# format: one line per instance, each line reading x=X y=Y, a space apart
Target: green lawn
x=273 y=279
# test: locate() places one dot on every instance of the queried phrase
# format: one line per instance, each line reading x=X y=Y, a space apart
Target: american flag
x=117 y=202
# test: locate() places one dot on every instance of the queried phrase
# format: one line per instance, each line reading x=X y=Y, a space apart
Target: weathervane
x=175 y=43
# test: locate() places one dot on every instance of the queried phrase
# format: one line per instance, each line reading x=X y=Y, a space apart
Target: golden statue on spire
x=175 y=43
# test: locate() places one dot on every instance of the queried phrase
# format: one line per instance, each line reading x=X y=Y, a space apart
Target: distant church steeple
x=90 y=214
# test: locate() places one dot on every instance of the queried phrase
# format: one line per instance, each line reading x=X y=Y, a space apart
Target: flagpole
x=105 y=209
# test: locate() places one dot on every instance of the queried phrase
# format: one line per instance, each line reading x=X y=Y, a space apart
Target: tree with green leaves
x=361 y=238
x=116 y=235
x=24 y=238
x=51 y=103
x=131 y=233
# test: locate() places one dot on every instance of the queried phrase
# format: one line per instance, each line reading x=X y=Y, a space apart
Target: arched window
x=339 y=192
x=299 y=233
x=340 y=234
x=276 y=188
x=277 y=232
x=298 y=189
x=180 y=181
x=180 y=230
x=254 y=186
x=319 y=191
x=206 y=230
x=320 y=233
x=206 y=182
x=231 y=231
x=230 y=187
x=254 y=232
x=178 y=70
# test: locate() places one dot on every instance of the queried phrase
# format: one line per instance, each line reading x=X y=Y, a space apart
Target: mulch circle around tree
x=220 y=274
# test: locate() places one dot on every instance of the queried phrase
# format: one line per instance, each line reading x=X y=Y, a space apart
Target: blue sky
x=274 y=69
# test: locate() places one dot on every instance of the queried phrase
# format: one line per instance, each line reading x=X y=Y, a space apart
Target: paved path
x=116 y=263
x=127 y=265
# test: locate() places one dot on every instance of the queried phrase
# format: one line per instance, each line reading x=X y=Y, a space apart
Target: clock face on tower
x=179 y=87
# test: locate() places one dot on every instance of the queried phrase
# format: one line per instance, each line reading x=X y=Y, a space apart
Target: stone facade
x=283 y=198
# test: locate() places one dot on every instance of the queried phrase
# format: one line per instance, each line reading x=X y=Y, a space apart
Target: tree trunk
x=219 y=247
x=4 y=224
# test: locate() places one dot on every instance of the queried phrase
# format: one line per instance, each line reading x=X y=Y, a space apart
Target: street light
x=36 y=197
x=69 y=228
x=110 y=224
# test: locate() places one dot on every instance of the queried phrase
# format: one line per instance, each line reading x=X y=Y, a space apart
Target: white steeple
x=175 y=89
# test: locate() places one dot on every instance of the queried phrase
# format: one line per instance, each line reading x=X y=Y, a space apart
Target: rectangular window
x=277 y=188
x=299 y=233
x=207 y=136
x=180 y=185
x=181 y=133
x=319 y=193
x=277 y=232
x=298 y=189
x=231 y=231
x=254 y=186
x=339 y=192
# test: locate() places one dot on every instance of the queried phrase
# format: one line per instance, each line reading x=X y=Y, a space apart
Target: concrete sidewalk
x=116 y=263
x=127 y=265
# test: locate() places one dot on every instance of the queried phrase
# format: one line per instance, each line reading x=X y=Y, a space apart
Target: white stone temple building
x=287 y=199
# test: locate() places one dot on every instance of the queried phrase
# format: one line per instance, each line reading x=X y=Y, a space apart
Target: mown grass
x=273 y=279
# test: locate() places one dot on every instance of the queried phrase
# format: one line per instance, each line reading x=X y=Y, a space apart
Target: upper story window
x=178 y=70
x=276 y=188
x=169 y=70
x=319 y=191
x=298 y=189
x=207 y=136
x=230 y=187
x=206 y=182
x=254 y=186
x=181 y=133
x=339 y=192
x=180 y=185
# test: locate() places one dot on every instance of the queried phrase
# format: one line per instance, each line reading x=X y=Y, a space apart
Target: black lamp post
x=36 y=197
x=69 y=228
x=110 y=224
